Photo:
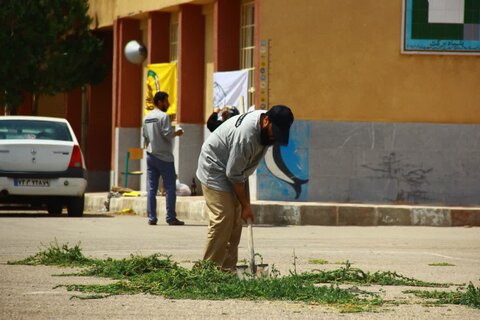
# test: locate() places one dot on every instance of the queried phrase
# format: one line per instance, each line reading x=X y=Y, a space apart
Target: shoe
x=152 y=223
x=176 y=222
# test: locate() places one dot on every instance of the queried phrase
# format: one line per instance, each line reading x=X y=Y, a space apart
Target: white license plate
x=32 y=183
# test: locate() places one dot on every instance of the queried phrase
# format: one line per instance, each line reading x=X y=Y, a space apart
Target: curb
x=192 y=209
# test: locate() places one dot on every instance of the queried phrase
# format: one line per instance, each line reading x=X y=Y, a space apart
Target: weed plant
x=357 y=276
x=469 y=297
x=205 y=281
x=59 y=255
x=159 y=275
x=126 y=268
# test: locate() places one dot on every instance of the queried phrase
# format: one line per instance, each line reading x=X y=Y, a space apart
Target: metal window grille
x=247 y=45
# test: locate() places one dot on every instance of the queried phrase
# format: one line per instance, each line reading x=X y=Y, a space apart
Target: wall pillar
x=158 y=37
x=191 y=63
x=191 y=75
x=25 y=109
x=226 y=37
x=99 y=117
x=126 y=101
x=73 y=110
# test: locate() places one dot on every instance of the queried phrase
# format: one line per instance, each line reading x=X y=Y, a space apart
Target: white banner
x=230 y=88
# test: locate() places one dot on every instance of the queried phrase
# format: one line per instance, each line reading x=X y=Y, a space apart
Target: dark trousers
x=157 y=168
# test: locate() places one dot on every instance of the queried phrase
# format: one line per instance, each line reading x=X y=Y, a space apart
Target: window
x=247 y=44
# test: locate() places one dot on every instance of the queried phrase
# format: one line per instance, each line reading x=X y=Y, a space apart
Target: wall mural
x=283 y=174
x=442 y=25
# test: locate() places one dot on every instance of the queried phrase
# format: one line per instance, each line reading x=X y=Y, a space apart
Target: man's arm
x=213 y=122
x=240 y=191
x=146 y=141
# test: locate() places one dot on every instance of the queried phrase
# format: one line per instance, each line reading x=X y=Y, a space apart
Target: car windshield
x=34 y=129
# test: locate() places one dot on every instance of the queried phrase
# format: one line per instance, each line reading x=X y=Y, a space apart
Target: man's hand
x=178 y=131
x=240 y=191
x=247 y=213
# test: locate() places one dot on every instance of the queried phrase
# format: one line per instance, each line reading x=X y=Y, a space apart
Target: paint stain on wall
x=410 y=179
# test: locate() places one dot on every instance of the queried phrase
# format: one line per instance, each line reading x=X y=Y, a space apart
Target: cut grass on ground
x=159 y=275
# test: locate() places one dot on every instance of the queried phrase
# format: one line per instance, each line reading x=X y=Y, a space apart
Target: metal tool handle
x=250 y=247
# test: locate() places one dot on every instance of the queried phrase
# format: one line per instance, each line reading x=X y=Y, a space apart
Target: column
x=191 y=75
x=226 y=28
x=126 y=100
x=158 y=37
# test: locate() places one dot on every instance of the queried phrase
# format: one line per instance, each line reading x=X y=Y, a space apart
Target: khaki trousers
x=224 y=228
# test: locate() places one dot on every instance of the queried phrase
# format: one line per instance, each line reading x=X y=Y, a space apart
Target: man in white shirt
x=158 y=134
x=228 y=157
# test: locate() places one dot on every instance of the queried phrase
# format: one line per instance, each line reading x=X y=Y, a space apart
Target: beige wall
x=106 y=11
x=102 y=12
x=341 y=60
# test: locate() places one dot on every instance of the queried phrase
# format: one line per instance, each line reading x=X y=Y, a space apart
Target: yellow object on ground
x=132 y=194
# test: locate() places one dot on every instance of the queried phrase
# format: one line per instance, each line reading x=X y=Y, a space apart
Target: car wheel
x=75 y=206
x=55 y=208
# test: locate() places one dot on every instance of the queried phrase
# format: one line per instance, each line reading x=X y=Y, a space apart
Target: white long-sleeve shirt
x=158 y=134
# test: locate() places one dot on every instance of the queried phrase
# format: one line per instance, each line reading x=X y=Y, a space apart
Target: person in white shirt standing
x=158 y=134
x=227 y=158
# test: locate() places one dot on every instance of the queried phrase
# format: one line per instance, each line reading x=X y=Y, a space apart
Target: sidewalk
x=192 y=209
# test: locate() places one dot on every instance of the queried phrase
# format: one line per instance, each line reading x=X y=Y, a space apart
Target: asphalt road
x=27 y=292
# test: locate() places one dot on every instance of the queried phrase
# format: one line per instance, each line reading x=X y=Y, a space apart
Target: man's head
x=276 y=125
x=229 y=111
x=160 y=100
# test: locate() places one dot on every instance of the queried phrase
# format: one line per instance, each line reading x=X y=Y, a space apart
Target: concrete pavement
x=32 y=292
x=303 y=213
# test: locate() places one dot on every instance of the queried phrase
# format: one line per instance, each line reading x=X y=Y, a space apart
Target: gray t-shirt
x=158 y=134
x=232 y=152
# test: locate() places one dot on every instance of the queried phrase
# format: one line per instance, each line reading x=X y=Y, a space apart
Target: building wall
x=341 y=60
x=345 y=66
x=106 y=11
x=372 y=124
x=376 y=162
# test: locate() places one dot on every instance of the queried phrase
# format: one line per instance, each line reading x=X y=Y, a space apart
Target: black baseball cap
x=281 y=118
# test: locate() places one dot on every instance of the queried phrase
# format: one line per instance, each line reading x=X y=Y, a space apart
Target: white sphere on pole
x=135 y=52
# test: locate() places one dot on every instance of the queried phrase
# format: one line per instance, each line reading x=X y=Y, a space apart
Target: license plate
x=32 y=183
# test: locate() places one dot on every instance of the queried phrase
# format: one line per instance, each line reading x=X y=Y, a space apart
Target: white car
x=41 y=164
